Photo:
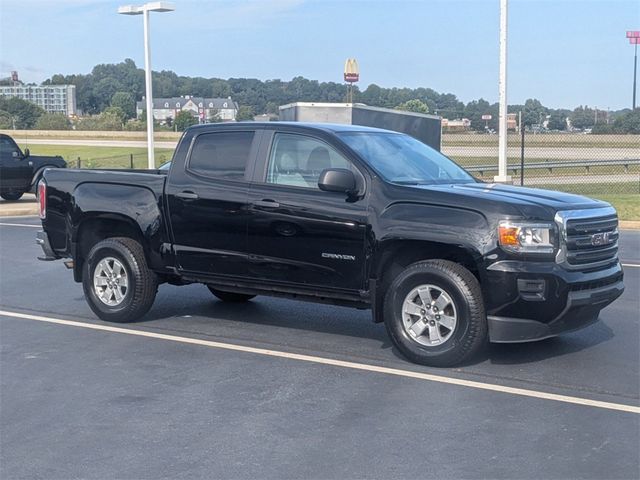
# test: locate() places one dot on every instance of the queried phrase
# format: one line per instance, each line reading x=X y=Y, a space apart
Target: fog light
x=532 y=290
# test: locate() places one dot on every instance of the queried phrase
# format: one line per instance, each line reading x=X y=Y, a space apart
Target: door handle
x=187 y=195
x=266 y=203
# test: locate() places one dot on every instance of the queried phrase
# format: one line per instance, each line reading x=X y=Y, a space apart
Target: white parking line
x=20 y=225
x=336 y=363
x=635 y=265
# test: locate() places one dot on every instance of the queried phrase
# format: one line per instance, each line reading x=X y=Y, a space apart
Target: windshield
x=402 y=159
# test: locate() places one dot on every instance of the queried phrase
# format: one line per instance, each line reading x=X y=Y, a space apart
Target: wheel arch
x=393 y=256
x=95 y=228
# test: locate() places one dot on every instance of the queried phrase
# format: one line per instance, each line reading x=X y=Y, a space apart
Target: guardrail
x=586 y=164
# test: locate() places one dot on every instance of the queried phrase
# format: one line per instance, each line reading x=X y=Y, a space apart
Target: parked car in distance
x=340 y=214
x=20 y=171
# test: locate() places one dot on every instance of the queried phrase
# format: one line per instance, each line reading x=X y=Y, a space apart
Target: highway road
x=281 y=389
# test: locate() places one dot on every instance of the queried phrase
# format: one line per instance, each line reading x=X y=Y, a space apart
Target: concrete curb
x=19 y=211
x=27 y=205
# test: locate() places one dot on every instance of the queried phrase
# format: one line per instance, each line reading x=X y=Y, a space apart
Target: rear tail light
x=42 y=198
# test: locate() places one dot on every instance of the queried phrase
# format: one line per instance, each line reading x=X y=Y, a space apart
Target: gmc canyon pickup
x=342 y=214
x=20 y=171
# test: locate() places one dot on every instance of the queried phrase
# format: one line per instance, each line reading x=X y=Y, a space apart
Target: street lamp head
x=130 y=10
x=159 y=7
x=148 y=7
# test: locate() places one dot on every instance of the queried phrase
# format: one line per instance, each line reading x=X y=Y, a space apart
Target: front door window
x=297 y=160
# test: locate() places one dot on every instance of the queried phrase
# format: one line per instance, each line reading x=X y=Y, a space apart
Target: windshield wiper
x=409 y=182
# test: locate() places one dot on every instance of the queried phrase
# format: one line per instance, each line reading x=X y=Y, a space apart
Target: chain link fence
x=599 y=166
x=127 y=160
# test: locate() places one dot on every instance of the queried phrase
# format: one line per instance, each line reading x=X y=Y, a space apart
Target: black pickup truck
x=21 y=171
x=342 y=214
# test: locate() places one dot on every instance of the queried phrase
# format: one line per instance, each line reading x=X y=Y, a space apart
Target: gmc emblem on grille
x=599 y=239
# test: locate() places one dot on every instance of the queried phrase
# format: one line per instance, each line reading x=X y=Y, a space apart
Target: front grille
x=590 y=238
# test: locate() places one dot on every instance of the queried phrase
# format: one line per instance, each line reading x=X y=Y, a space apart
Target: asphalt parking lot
x=203 y=389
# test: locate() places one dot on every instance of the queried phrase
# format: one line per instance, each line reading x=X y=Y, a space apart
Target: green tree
x=125 y=102
x=106 y=121
x=474 y=111
x=272 y=107
x=117 y=112
x=245 y=112
x=414 y=105
x=6 y=120
x=534 y=112
x=557 y=121
x=53 y=121
x=183 y=120
x=582 y=117
x=25 y=114
x=628 y=122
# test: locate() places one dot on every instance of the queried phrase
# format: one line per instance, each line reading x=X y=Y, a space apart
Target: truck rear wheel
x=230 y=296
x=434 y=313
x=11 y=196
x=117 y=283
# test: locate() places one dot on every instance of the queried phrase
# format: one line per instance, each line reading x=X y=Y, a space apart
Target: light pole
x=144 y=10
x=634 y=39
x=502 y=176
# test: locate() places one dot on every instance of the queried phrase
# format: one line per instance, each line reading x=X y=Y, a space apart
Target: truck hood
x=530 y=202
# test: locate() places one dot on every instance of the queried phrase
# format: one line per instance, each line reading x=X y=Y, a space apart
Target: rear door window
x=221 y=154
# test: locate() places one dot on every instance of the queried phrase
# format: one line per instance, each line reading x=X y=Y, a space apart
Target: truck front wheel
x=434 y=313
x=117 y=283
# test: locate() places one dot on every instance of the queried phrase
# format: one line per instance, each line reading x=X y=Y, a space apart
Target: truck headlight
x=526 y=237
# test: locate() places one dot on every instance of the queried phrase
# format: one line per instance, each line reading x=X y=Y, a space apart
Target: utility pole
x=635 y=70
x=502 y=176
x=634 y=39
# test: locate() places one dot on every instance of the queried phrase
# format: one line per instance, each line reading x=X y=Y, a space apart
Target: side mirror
x=26 y=152
x=338 y=180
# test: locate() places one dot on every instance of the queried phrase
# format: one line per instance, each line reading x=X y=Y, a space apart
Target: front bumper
x=582 y=310
x=568 y=301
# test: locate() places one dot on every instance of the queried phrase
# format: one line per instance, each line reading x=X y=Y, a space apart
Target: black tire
x=142 y=282
x=468 y=337
x=11 y=196
x=230 y=296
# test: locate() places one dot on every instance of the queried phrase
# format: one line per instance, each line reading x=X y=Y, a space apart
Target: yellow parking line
x=336 y=363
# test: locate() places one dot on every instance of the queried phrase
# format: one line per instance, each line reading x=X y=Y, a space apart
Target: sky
x=563 y=52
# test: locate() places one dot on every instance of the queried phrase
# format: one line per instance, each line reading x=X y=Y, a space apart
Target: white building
x=51 y=98
x=206 y=109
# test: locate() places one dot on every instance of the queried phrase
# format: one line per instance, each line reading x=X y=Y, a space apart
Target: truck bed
x=75 y=195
